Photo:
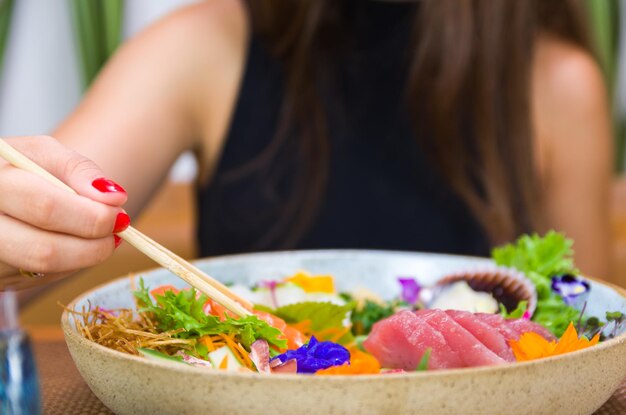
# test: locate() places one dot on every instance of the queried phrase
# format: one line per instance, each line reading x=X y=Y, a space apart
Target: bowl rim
x=70 y=332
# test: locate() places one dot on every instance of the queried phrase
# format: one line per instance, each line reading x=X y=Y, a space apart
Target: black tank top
x=381 y=193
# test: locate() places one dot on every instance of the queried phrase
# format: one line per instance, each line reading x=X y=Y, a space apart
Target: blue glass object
x=19 y=385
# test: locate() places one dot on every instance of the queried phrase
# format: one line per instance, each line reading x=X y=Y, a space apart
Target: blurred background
x=51 y=50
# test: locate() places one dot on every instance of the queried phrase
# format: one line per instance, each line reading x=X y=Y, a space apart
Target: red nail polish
x=107 y=186
x=118 y=241
x=121 y=222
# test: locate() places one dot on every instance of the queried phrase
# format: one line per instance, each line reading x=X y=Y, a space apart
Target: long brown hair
x=469 y=84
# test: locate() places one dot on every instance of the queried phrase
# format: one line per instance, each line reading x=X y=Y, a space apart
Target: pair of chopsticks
x=193 y=276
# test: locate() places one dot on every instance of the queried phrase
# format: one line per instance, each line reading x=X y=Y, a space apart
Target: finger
x=77 y=171
x=29 y=248
x=32 y=200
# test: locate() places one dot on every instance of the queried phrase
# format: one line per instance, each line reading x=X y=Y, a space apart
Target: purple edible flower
x=271 y=286
x=410 y=289
x=316 y=355
x=571 y=288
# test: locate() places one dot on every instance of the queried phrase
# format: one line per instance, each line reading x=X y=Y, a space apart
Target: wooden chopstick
x=132 y=234
x=164 y=257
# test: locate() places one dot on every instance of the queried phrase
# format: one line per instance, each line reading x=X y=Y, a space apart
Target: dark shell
x=507 y=286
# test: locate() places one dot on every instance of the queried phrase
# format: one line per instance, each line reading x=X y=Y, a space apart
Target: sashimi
x=522 y=326
x=511 y=329
x=500 y=324
x=485 y=333
x=400 y=341
x=471 y=350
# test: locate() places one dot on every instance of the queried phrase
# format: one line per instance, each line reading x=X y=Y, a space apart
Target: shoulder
x=566 y=74
x=198 y=30
x=168 y=54
x=219 y=20
x=193 y=58
x=569 y=102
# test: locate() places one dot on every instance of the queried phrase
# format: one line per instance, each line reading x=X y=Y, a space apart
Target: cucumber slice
x=217 y=357
x=156 y=355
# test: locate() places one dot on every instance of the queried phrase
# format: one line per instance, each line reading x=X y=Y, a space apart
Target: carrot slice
x=224 y=363
x=208 y=342
x=240 y=353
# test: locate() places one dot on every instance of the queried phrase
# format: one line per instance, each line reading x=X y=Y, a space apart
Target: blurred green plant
x=98 y=27
x=604 y=16
x=6 y=7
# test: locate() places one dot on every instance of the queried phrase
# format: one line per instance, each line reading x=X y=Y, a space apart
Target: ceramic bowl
x=575 y=383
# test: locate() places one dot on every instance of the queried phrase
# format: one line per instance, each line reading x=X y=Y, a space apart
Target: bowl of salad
x=357 y=331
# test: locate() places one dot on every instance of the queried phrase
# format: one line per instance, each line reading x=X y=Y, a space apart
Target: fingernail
x=121 y=222
x=118 y=241
x=107 y=186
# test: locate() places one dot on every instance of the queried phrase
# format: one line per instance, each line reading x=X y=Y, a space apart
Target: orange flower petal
x=532 y=346
x=595 y=340
x=568 y=342
x=313 y=284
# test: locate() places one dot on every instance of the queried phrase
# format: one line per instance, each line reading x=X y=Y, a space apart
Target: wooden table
x=63 y=390
x=65 y=393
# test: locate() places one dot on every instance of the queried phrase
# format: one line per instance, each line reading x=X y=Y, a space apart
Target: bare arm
x=150 y=102
x=574 y=148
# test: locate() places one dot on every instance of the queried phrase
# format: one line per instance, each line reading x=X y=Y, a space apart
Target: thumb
x=75 y=170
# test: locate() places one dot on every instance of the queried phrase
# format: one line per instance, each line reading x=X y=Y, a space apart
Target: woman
x=438 y=125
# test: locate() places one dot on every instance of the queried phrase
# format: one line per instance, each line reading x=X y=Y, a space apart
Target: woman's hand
x=47 y=230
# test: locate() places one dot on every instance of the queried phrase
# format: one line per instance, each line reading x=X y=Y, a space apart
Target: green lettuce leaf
x=519 y=311
x=364 y=317
x=322 y=315
x=183 y=310
x=555 y=315
x=540 y=258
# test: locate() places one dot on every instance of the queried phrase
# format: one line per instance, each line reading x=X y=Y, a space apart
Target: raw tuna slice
x=472 y=351
x=522 y=326
x=400 y=341
x=511 y=329
x=500 y=324
x=487 y=335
